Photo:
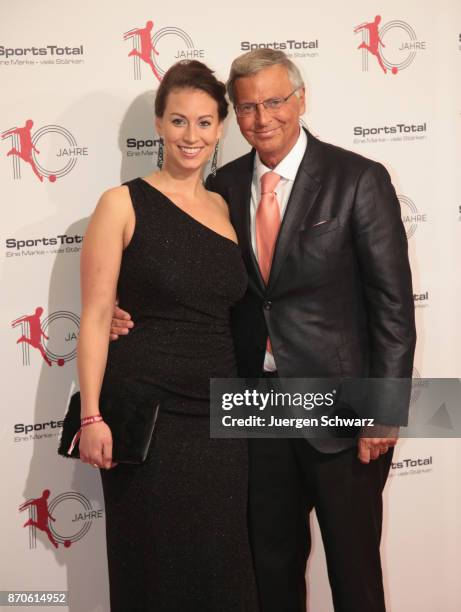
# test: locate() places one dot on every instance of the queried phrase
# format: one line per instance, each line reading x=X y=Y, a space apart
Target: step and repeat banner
x=78 y=82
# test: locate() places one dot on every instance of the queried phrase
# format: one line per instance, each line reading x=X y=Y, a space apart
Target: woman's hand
x=96 y=445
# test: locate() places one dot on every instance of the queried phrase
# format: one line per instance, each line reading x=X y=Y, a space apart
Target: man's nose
x=262 y=115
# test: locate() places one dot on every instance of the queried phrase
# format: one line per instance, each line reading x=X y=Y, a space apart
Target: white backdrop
x=65 y=67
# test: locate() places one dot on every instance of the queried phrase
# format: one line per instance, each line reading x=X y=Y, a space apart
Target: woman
x=176 y=525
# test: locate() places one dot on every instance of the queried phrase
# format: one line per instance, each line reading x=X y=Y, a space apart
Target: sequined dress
x=177 y=538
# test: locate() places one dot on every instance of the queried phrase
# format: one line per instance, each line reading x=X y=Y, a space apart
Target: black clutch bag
x=130 y=412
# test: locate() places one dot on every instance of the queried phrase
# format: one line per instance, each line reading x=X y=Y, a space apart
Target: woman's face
x=190 y=128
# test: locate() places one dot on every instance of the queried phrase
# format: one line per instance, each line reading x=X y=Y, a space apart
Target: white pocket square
x=322 y=222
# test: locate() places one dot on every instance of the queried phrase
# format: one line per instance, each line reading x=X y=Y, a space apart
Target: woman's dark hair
x=191 y=74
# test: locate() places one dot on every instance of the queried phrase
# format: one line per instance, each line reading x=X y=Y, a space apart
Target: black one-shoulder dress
x=177 y=537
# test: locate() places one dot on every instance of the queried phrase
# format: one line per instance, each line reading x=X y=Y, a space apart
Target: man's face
x=271 y=133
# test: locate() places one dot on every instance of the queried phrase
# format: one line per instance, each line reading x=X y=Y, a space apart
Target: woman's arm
x=107 y=235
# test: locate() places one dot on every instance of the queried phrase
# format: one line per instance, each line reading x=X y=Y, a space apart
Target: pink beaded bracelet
x=95 y=418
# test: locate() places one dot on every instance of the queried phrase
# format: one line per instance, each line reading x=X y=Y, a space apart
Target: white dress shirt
x=287 y=168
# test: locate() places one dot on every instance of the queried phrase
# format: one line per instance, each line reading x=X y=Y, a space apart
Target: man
x=329 y=294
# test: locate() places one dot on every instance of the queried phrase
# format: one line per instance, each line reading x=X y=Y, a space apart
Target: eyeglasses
x=272 y=104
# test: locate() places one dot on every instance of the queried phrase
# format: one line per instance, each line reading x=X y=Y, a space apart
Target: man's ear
x=302 y=100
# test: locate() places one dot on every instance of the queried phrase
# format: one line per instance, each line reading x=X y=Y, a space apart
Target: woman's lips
x=190 y=151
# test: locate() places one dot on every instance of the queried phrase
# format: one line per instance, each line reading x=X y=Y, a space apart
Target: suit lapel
x=303 y=195
x=306 y=188
x=240 y=202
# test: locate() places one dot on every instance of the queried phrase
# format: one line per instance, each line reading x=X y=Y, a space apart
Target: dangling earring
x=214 y=162
x=160 y=154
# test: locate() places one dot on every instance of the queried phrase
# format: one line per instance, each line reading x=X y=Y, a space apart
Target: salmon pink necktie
x=267 y=223
x=267 y=227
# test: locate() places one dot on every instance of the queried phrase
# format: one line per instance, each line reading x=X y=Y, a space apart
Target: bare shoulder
x=220 y=202
x=115 y=203
x=113 y=211
x=116 y=197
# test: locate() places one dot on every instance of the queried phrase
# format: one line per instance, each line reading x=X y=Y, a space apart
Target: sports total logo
x=161 y=49
x=140 y=147
x=55 y=338
x=48 y=54
x=291 y=47
x=393 y=44
x=64 y=519
x=398 y=132
x=415 y=465
x=421 y=299
x=51 y=151
x=411 y=217
x=51 y=245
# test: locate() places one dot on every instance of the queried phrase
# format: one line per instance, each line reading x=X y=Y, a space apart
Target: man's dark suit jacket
x=339 y=301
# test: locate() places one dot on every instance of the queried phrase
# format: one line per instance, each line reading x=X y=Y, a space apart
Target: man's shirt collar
x=287 y=168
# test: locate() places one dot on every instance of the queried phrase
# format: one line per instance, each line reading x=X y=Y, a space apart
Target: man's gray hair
x=254 y=61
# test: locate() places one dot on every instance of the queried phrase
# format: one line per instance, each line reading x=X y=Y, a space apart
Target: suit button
x=267 y=305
